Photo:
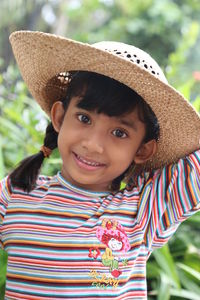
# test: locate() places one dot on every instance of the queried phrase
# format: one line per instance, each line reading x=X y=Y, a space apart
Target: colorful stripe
x=50 y=234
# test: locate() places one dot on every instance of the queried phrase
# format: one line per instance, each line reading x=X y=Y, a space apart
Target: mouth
x=87 y=163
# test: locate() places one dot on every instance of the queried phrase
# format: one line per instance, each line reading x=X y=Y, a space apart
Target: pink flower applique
x=94 y=252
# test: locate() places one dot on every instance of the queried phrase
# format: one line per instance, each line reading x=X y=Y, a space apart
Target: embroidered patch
x=112 y=234
x=103 y=281
x=94 y=252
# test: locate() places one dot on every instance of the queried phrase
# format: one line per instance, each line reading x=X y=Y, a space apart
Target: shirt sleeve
x=175 y=196
x=4 y=200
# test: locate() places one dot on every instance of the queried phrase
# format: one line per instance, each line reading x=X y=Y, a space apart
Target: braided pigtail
x=25 y=175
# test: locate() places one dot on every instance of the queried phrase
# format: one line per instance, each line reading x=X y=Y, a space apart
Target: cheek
x=66 y=137
x=124 y=155
x=119 y=245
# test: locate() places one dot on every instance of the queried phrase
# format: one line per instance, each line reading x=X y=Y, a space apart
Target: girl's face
x=114 y=244
x=96 y=148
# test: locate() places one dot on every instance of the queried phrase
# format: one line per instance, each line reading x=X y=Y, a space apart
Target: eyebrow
x=129 y=123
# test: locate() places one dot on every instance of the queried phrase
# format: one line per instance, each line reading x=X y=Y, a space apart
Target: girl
x=114 y=118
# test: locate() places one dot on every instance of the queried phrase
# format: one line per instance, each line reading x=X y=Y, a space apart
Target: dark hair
x=97 y=93
x=25 y=175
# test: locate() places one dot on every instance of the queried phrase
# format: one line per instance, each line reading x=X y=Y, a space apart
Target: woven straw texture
x=41 y=56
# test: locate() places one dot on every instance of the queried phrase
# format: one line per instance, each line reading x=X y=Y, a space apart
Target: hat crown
x=135 y=55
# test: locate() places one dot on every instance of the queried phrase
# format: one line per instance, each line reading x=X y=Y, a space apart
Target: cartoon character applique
x=112 y=234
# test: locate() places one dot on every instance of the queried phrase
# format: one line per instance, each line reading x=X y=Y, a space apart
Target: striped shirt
x=64 y=242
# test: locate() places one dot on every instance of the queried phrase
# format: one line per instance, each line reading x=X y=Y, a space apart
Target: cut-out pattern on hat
x=134 y=58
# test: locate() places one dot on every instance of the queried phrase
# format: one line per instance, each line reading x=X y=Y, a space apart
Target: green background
x=170 y=32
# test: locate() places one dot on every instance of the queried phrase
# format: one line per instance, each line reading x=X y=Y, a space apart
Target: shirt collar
x=79 y=190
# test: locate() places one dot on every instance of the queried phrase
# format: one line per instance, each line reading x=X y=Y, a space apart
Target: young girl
x=114 y=118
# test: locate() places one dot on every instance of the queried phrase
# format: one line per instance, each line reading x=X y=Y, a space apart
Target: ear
x=57 y=115
x=145 y=152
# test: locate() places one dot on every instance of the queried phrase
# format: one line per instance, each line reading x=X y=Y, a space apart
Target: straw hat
x=41 y=56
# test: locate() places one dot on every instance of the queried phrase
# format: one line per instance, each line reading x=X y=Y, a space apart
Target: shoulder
x=5 y=184
x=187 y=164
x=7 y=188
x=184 y=167
x=136 y=185
x=43 y=179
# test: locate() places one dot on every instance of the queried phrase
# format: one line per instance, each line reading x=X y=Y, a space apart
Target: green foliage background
x=170 y=31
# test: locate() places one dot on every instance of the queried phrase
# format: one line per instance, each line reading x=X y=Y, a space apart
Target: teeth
x=88 y=162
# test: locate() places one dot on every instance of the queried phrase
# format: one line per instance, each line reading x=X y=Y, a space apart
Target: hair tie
x=46 y=151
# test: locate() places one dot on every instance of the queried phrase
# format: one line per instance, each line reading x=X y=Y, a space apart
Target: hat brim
x=41 y=56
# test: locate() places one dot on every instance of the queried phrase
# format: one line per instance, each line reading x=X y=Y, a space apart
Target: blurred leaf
x=3 y=266
x=153 y=269
x=2 y=167
x=185 y=88
x=164 y=289
x=184 y=294
x=189 y=270
x=188 y=283
x=166 y=262
x=196 y=104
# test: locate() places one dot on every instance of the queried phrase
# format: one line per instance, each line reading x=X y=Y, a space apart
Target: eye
x=120 y=133
x=84 y=119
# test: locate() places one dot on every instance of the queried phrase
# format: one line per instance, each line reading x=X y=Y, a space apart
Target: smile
x=89 y=164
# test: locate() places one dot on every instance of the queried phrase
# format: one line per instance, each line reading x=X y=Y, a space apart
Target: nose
x=93 y=143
